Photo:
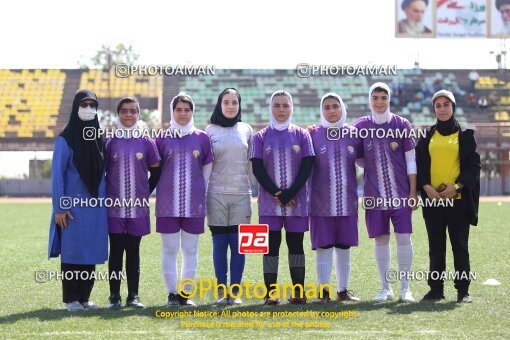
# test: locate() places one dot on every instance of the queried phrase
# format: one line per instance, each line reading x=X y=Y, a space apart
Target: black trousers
x=120 y=243
x=77 y=281
x=437 y=221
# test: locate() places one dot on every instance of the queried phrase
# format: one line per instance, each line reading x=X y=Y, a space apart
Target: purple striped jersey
x=181 y=187
x=127 y=166
x=333 y=182
x=385 y=163
x=282 y=152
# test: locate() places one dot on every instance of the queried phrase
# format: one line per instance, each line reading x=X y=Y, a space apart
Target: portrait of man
x=414 y=22
x=500 y=17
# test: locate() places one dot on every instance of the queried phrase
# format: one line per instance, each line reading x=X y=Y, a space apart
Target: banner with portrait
x=452 y=19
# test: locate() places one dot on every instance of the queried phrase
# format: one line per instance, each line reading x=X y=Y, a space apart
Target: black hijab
x=88 y=155
x=217 y=116
x=449 y=126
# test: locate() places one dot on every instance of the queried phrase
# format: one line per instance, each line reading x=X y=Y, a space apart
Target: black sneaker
x=115 y=302
x=347 y=295
x=185 y=301
x=464 y=297
x=134 y=301
x=433 y=296
x=173 y=300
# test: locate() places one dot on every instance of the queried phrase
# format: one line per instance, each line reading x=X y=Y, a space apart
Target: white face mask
x=87 y=113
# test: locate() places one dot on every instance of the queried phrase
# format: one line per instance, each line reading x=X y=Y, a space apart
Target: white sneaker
x=385 y=294
x=90 y=305
x=238 y=301
x=406 y=296
x=74 y=306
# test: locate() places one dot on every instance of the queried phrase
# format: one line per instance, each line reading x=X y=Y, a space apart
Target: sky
x=226 y=34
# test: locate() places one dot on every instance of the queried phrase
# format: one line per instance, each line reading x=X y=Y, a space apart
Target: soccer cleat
x=115 y=302
x=464 y=297
x=406 y=296
x=297 y=300
x=173 y=300
x=385 y=294
x=433 y=296
x=271 y=302
x=347 y=295
x=134 y=302
x=223 y=299
x=323 y=300
x=74 y=306
x=184 y=301
x=324 y=297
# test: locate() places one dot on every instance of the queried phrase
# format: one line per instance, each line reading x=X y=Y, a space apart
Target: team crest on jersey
x=196 y=153
x=323 y=149
x=350 y=148
x=139 y=155
x=115 y=157
x=394 y=146
x=268 y=149
x=369 y=145
x=296 y=148
x=453 y=140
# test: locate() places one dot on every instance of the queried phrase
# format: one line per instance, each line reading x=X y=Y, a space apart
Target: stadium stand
x=29 y=102
x=35 y=104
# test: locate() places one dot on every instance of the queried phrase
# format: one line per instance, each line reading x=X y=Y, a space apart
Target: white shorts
x=228 y=209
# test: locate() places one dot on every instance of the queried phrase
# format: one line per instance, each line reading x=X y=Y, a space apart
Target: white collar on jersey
x=380 y=118
x=187 y=129
x=280 y=126
x=339 y=123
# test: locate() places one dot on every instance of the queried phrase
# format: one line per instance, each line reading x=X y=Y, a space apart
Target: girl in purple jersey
x=128 y=160
x=282 y=157
x=186 y=164
x=389 y=183
x=334 y=199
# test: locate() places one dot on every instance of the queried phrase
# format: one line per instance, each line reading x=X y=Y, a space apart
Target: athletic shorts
x=228 y=209
x=139 y=226
x=330 y=231
x=293 y=224
x=170 y=225
x=378 y=221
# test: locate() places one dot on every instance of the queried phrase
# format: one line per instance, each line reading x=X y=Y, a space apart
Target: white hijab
x=186 y=129
x=380 y=118
x=341 y=121
x=273 y=122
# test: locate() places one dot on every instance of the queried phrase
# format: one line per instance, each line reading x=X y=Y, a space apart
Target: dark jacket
x=469 y=169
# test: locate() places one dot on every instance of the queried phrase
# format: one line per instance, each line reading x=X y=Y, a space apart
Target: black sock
x=115 y=260
x=271 y=259
x=296 y=261
x=133 y=264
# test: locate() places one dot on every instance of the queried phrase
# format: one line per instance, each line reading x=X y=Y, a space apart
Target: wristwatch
x=457 y=188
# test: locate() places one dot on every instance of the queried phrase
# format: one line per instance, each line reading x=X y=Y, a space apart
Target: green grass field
x=28 y=308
